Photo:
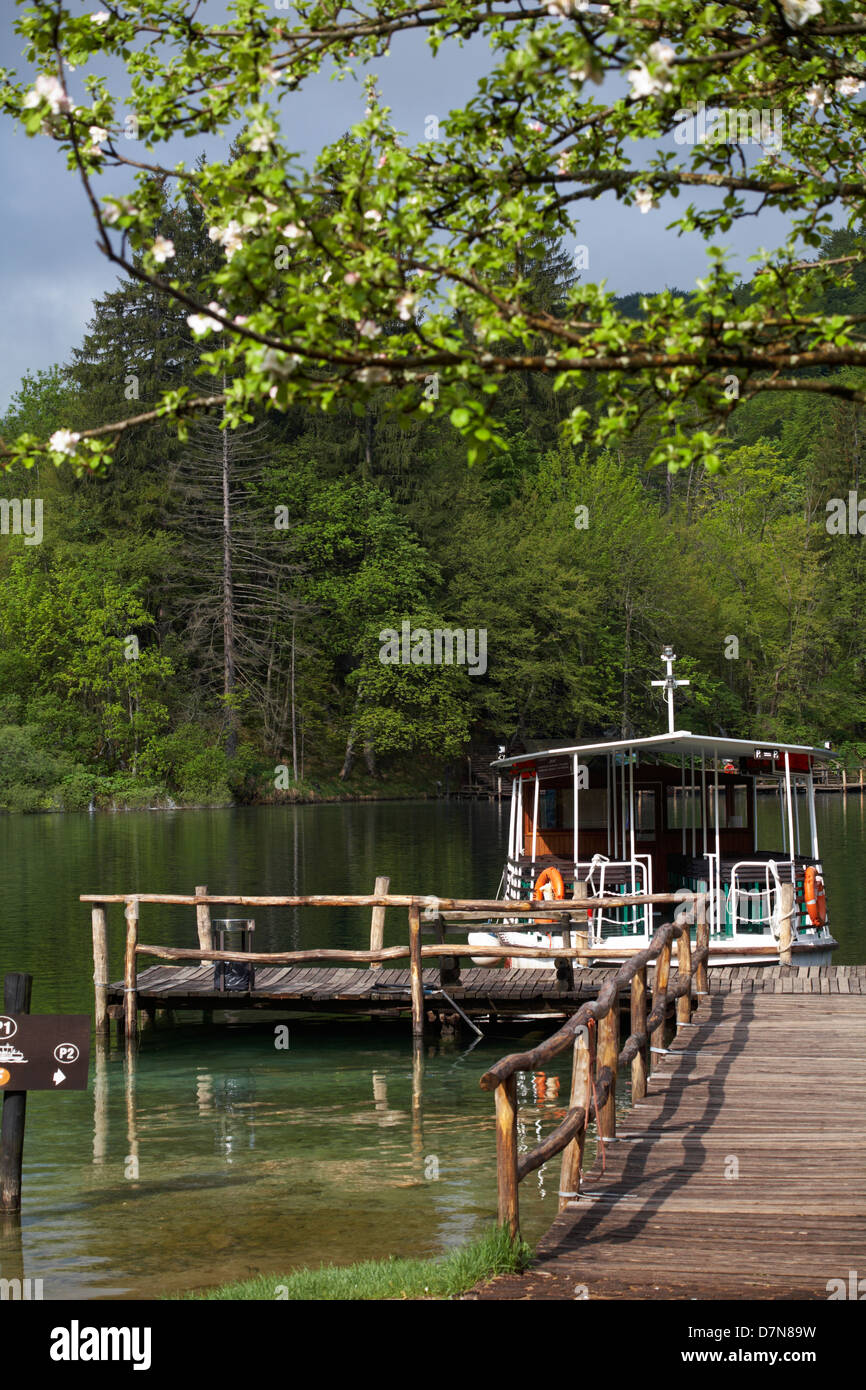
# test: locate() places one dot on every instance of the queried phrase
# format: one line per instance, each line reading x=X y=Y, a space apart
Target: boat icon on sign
x=8 y=1053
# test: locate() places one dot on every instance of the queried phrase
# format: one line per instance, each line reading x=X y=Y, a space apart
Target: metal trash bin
x=233 y=975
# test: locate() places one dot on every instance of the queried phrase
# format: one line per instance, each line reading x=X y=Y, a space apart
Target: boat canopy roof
x=680 y=742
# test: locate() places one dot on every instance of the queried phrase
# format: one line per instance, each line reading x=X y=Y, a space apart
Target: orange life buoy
x=552 y=878
x=816 y=899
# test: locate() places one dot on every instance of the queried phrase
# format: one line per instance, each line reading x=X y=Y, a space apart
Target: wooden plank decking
x=742 y=1174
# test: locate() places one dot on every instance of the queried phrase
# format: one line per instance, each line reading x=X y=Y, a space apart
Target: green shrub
x=205 y=777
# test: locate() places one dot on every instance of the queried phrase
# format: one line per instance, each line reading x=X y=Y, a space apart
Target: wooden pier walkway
x=742 y=1173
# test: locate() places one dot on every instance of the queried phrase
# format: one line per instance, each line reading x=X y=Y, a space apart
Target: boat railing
x=593 y=1034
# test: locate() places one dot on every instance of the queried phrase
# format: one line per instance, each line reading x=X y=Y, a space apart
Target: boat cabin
x=672 y=811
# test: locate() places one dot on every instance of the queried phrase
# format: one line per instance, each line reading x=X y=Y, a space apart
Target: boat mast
x=668 y=656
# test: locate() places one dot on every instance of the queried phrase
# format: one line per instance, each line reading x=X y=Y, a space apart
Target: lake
x=220 y=1156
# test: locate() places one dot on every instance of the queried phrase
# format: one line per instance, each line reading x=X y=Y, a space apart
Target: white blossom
x=230 y=238
x=63 y=441
x=367 y=328
x=849 y=86
x=261 y=137
x=114 y=211
x=817 y=96
x=293 y=230
x=163 y=249
x=203 y=323
x=351 y=277
x=101 y=17
x=799 y=12
x=373 y=215
x=48 y=89
x=371 y=376
x=567 y=7
x=405 y=305
x=644 y=199
x=97 y=133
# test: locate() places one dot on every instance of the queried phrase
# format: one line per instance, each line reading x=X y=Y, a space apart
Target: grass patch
x=494 y=1253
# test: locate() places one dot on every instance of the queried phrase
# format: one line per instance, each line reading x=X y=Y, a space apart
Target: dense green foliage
x=577 y=563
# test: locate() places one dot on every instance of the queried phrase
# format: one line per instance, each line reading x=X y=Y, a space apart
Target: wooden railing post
x=608 y=1054
x=702 y=942
x=581 y=936
x=377 y=919
x=684 y=972
x=101 y=981
x=506 y=1155
x=415 y=977
x=202 y=920
x=564 y=964
x=581 y=1090
x=130 y=1002
x=660 y=983
x=786 y=933
x=638 y=1025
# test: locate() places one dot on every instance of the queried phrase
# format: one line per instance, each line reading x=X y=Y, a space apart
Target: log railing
x=593 y=1033
x=424 y=912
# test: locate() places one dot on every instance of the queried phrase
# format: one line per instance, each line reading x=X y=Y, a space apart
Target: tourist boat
x=674 y=811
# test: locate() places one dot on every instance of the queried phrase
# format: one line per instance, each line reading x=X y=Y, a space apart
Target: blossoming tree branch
x=398 y=263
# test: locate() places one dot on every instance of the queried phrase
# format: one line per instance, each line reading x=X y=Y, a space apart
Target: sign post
x=17 y=989
x=38 y=1052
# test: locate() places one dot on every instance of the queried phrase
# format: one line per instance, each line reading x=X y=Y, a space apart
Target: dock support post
x=415 y=977
x=377 y=921
x=130 y=1001
x=608 y=1054
x=205 y=936
x=581 y=1091
x=506 y=1155
x=786 y=914
x=17 y=989
x=684 y=971
x=581 y=936
x=99 y=928
x=638 y=1025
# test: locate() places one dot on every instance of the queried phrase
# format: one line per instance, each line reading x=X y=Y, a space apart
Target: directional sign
x=44 y=1052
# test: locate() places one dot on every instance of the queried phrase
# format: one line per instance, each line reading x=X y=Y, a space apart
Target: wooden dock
x=740 y=1174
x=294 y=989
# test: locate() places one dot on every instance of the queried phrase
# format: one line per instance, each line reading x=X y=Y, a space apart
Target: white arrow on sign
x=58 y=1077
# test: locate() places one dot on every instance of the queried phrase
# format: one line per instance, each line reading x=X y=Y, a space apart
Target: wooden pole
x=660 y=982
x=17 y=989
x=608 y=1052
x=101 y=981
x=581 y=936
x=506 y=1155
x=449 y=966
x=702 y=941
x=415 y=977
x=202 y=920
x=638 y=1025
x=377 y=920
x=205 y=937
x=786 y=934
x=130 y=1002
x=684 y=970
x=572 y=1154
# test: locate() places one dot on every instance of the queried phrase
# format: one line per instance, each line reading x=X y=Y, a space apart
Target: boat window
x=556 y=808
x=684 y=808
x=645 y=818
x=740 y=802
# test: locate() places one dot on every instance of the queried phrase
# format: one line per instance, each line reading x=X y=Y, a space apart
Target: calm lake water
x=251 y=1159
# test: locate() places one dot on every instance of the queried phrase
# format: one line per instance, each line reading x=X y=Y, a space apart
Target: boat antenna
x=668 y=656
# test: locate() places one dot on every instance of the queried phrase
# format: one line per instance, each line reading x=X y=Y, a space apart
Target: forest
x=203 y=623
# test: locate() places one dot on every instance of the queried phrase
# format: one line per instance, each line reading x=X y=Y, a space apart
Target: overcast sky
x=51 y=271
